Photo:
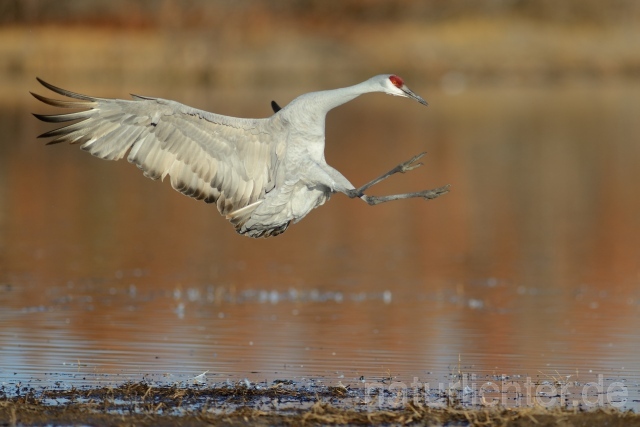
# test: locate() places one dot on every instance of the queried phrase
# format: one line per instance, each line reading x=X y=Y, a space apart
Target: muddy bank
x=279 y=403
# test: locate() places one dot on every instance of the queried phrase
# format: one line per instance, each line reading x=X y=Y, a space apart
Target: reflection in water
x=528 y=267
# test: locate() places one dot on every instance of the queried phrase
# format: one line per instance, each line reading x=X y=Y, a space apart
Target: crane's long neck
x=306 y=115
x=329 y=99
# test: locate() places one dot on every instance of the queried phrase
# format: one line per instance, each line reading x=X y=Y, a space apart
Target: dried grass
x=144 y=404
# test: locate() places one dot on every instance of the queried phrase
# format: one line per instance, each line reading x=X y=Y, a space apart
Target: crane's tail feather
x=240 y=217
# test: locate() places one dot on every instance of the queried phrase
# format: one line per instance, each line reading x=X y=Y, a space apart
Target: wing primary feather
x=59 y=118
x=63 y=103
x=65 y=130
x=65 y=92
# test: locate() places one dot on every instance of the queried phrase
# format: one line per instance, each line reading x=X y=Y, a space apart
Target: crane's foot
x=409 y=164
x=426 y=194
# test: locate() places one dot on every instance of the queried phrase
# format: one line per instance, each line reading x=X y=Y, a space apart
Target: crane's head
x=394 y=85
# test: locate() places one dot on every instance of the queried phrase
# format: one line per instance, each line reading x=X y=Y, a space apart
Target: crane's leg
x=402 y=168
x=425 y=194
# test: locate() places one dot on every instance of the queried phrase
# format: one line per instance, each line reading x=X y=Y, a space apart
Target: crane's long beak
x=410 y=94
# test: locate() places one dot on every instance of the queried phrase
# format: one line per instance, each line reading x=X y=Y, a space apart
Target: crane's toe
x=436 y=192
x=410 y=164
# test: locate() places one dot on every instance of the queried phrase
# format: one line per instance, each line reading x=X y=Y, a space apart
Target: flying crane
x=262 y=174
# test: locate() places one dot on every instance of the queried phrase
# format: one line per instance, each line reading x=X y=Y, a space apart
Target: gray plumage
x=262 y=174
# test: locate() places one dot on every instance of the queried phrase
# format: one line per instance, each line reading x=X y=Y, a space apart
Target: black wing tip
x=48 y=85
x=38 y=97
x=58 y=118
x=39 y=116
x=64 y=92
x=46 y=134
x=275 y=107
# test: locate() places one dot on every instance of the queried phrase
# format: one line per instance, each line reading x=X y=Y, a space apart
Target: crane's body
x=262 y=174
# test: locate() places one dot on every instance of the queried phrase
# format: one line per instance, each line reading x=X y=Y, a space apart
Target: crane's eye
x=396 y=81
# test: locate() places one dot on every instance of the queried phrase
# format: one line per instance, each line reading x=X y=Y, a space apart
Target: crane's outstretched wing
x=224 y=160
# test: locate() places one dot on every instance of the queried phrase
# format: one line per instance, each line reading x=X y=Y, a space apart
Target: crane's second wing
x=224 y=160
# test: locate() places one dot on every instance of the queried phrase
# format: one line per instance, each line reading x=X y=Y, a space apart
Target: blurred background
x=531 y=264
x=248 y=44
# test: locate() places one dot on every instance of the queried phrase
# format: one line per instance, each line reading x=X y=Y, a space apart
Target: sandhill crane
x=262 y=174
